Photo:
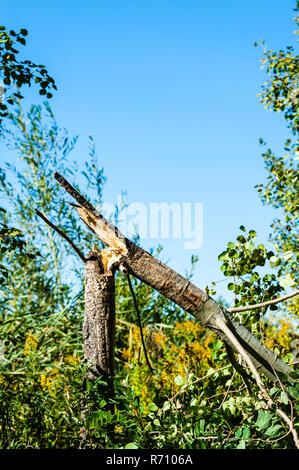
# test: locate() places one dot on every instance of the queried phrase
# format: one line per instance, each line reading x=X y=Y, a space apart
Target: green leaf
x=131 y=445
x=241 y=445
x=175 y=430
x=250 y=246
x=153 y=407
x=247 y=400
x=274 y=430
x=222 y=256
x=284 y=398
x=21 y=40
x=178 y=380
x=241 y=239
x=263 y=420
x=166 y=406
x=254 y=277
x=294 y=392
x=286 y=281
x=274 y=260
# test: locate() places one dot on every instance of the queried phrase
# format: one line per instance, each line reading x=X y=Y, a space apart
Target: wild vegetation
x=194 y=398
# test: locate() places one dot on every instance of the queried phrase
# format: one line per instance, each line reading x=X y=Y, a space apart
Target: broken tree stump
x=98 y=336
x=99 y=317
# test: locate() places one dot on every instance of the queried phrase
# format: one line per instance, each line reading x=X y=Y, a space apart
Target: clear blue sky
x=168 y=88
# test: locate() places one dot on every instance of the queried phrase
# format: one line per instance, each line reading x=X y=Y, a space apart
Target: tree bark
x=172 y=285
x=98 y=331
x=99 y=318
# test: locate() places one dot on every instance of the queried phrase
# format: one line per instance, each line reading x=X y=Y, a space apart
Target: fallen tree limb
x=172 y=285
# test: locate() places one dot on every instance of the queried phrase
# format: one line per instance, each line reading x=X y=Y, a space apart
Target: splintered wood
x=102 y=230
x=116 y=246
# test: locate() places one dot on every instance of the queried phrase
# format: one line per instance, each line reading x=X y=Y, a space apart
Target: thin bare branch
x=62 y=234
x=139 y=323
x=263 y=304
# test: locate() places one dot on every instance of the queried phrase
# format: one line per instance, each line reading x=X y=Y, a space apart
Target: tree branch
x=263 y=304
x=62 y=234
x=139 y=323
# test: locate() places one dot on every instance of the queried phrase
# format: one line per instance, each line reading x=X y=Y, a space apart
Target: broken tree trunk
x=99 y=318
x=145 y=267
x=98 y=331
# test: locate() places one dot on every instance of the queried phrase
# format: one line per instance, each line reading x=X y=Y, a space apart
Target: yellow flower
x=47 y=383
x=72 y=359
x=30 y=344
